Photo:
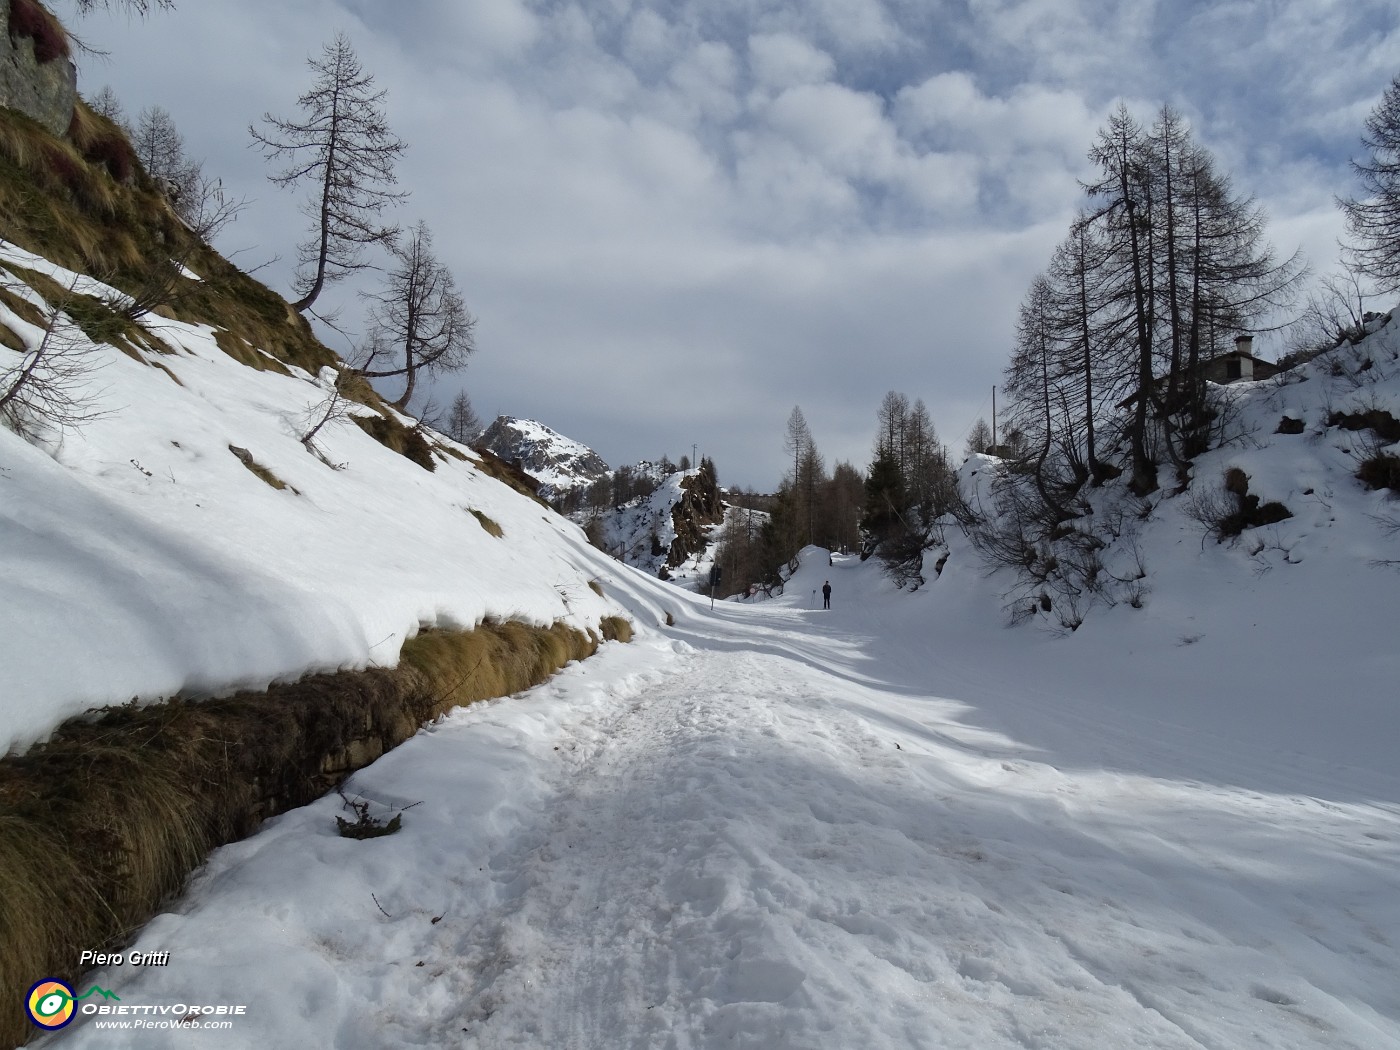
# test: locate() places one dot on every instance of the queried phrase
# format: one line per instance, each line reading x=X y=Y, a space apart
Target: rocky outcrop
x=43 y=87
x=700 y=507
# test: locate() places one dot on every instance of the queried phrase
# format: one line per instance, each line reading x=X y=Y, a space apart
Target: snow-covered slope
x=558 y=462
x=1299 y=441
x=139 y=557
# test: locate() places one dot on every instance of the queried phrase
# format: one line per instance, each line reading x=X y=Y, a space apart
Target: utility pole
x=994 y=419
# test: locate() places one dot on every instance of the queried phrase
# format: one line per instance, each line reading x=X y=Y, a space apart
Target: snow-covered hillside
x=1296 y=508
x=140 y=557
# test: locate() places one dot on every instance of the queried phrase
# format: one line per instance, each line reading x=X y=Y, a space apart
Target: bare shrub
x=1334 y=314
x=204 y=212
x=1228 y=511
x=1380 y=470
x=49 y=389
x=332 y=407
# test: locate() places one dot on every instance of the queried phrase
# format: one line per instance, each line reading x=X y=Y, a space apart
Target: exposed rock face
x=45 y=92
x=558 y=462
x=700 y=506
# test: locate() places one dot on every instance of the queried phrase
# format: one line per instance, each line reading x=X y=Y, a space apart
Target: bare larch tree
x=106 y=104
x=342 y=145
x=419 y=322
x=141 y=7
x=1374 y=219
x=463 y=424
x=161 y=149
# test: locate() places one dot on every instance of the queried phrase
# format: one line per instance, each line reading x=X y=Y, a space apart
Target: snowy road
x=759 y=829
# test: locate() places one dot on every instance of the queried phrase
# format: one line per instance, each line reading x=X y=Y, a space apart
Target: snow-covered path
x=758 y=829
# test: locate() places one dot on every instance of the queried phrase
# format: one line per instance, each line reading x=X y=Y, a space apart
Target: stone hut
x=1239 y=365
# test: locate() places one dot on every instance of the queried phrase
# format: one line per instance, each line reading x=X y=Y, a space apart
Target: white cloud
x=706 y=78
x=844 y=129
x=950 y=107
x=787 y=192
x=1031 y=142
x=649 y=41
x=781 y=60
x=504 y=28
x=858 y=25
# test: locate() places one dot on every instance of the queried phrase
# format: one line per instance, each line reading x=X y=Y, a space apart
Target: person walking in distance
x=826 y=595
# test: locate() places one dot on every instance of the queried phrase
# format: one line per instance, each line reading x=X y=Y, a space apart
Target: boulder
x=43 y=91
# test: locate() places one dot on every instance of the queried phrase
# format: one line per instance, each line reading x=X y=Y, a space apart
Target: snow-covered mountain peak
x=560 y=463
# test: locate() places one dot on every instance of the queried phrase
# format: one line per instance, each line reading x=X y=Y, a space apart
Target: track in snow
x=739 y=857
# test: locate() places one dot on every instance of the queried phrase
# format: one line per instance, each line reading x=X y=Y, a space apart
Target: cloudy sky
x=677 y=219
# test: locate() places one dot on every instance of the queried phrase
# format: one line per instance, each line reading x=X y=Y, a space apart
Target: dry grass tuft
x=1380 y=470
x=496 y=659
x=259 y=471
x=494 y=466
x=245 y=353
x=104 y=821
x=72 y=212
x=103 y=143
x=10 y=338
x=488 y=524
x=23 y=308
x=616 y=629
x=392 y=434
x=255 y=315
